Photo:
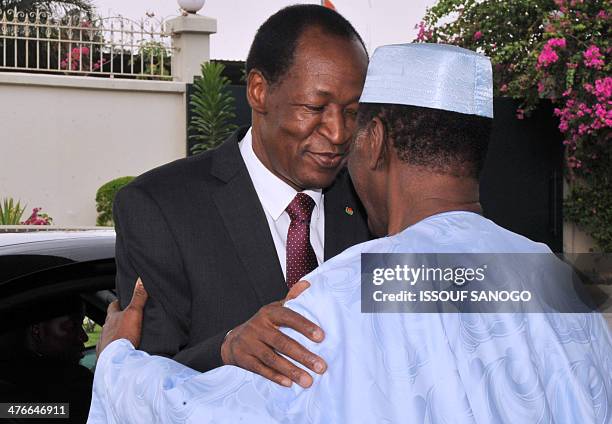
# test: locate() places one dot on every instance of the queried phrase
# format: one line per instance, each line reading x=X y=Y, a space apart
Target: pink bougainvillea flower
x=85 y=51
x=573 y=162
x=593 y=57
x=477 y=35
x=540 y=87
x=548 y=55
x=557 y=42
x=602 y=90
x=37 y=218
x=423 y=34
x=601 y=112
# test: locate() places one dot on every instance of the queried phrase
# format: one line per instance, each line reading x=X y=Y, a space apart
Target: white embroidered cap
x=436 y=76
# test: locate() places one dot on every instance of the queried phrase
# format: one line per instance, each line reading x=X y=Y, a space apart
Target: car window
x=89 y=359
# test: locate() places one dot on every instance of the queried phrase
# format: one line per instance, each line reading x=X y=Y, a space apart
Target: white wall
x=62 y=137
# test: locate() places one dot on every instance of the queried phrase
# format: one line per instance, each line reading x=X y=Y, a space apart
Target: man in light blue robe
x=424 y=123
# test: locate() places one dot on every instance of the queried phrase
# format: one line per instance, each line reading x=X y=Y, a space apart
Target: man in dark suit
x=218 y=238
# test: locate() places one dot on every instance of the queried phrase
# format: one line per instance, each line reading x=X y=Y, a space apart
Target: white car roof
x=49 y=234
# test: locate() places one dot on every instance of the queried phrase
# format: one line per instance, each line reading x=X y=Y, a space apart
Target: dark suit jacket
x=195 y=232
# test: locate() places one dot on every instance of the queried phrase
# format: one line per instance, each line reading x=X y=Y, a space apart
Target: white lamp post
x=190 y=40
x=191 y=6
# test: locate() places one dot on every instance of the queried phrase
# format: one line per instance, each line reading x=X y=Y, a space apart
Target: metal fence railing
x=74 y=44
x=48 y=228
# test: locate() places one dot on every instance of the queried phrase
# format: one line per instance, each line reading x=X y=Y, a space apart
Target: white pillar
x=190 y=44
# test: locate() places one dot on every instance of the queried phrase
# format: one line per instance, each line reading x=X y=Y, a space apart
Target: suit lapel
x=345 y=219
x=245 y=222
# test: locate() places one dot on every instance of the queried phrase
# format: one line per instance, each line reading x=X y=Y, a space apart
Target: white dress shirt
x=275 y=195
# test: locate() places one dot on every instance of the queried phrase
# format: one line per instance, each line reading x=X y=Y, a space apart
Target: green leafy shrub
x=213 y=108
x=154 y=60
x=588 y=206
x=104 y=200
x=50 y=6
x=11 y=212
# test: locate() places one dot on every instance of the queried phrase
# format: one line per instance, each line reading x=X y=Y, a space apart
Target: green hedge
x=104 y=200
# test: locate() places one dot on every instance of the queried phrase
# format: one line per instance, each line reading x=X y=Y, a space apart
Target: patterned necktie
x=301 y=258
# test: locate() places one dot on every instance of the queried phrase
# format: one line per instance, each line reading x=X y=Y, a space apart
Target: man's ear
x=257 y=90
x=378 y=145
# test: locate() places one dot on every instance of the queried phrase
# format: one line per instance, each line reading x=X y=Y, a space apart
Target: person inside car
x=39 y=362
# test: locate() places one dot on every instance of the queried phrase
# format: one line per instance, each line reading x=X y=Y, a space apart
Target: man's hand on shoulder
x=257 y=344
x=126 y=324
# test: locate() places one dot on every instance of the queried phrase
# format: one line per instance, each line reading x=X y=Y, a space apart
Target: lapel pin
x=349 y=211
